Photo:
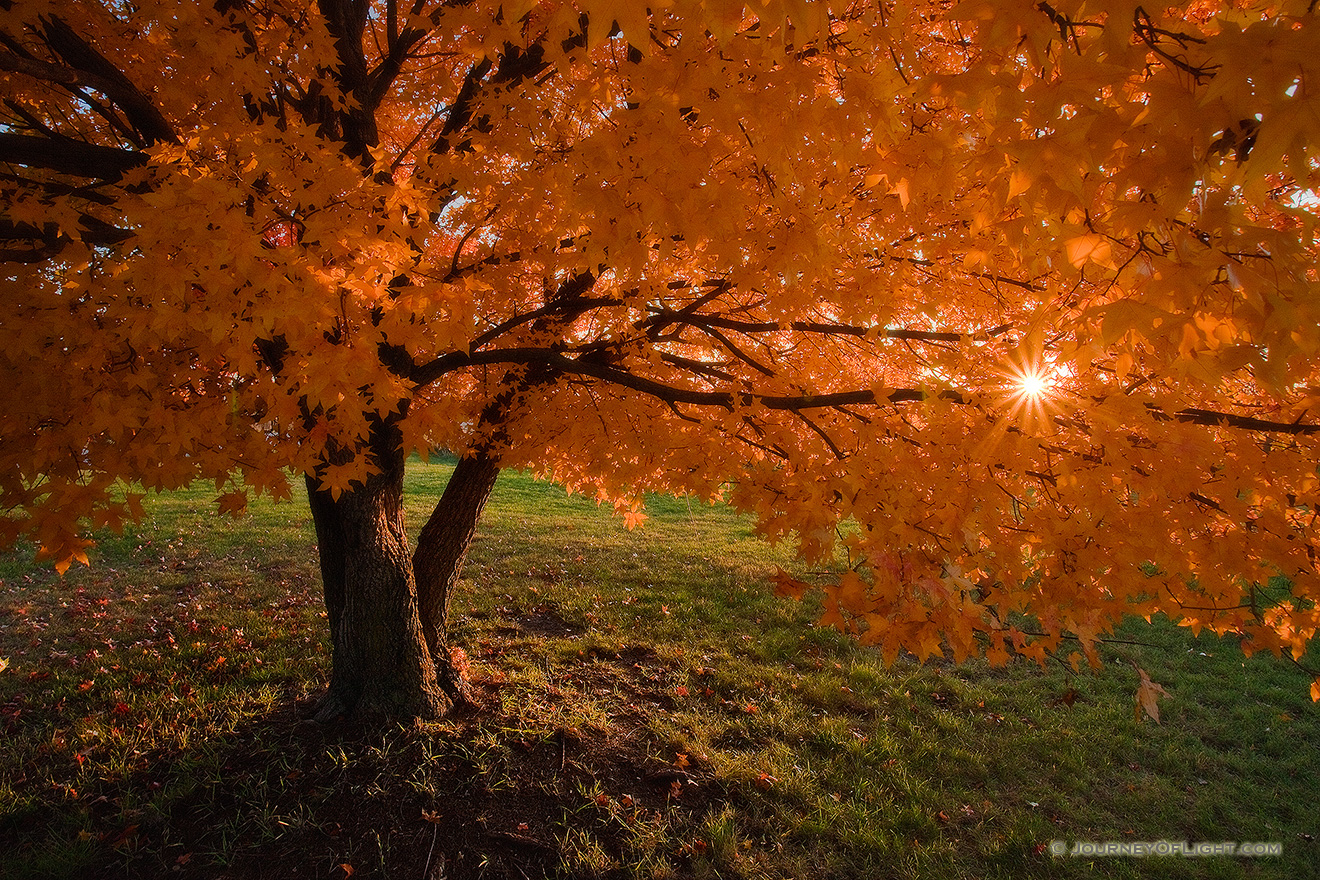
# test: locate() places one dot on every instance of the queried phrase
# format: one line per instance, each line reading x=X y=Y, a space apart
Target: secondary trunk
x=380 y=660
x=441 y=549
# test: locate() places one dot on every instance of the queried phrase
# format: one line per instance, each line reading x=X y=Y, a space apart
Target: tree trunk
x=441 y=549
x=380 y=660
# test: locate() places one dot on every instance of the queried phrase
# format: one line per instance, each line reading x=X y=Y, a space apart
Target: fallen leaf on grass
x=1148 y=695
x=124 y=836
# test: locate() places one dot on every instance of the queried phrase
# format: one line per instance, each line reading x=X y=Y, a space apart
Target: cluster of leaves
x=1014 y=299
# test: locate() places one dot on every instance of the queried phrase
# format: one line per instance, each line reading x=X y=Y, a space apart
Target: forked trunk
x=389 y=609
x=381 y=664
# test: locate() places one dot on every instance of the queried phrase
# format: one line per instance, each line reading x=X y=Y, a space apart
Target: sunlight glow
x=1031 y=390
x=1033 y=384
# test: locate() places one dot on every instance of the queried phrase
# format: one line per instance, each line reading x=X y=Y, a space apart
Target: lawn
x=649 y=708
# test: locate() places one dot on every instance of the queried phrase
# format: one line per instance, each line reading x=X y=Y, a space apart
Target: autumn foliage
x=1015 y=303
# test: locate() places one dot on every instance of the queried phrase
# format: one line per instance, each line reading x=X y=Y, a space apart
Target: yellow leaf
x=1315 y=691
x=1123 y=365
x=901 y=190
x=1088 y=248
x=1018 y=183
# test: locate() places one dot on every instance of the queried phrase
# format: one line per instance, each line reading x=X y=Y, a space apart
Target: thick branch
x=1228 y=420
x=68 y=156
x=94 y=70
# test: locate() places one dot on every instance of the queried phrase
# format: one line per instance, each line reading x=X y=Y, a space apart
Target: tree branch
x=92 y=69
x=68 y=156
x=569 y=366
x=1228 y=420
x=666 y=316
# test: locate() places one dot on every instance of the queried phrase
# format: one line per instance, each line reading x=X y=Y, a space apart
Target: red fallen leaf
x=522 y=826
x=602 y=800
x=751 y=709
x=347 y=869
x=433 y=818
x=942 y=816
x=121 y=709
x=765 y=780
x=85 y=685
x=681 y=760
x=38 y=676
x=680 y=691
x=183 y=859
x=699 y=845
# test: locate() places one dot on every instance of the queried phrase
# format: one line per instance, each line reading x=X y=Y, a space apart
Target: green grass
x=650 y=709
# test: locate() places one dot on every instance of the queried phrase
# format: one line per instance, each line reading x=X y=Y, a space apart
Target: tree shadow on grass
x=492 y=791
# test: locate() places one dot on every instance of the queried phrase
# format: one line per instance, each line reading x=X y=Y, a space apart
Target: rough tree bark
x=380 y=660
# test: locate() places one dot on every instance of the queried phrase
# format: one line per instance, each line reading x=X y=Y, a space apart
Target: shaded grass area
x=649 y=709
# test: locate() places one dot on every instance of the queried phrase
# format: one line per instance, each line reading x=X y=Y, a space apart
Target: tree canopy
x=1015 y=302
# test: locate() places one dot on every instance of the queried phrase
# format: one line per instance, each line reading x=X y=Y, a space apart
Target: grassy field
x=649 y=709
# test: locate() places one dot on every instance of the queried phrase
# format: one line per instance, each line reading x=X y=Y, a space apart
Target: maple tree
x=1015 y=302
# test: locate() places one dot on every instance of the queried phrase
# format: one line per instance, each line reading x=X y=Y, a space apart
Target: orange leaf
x=1148 y=695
